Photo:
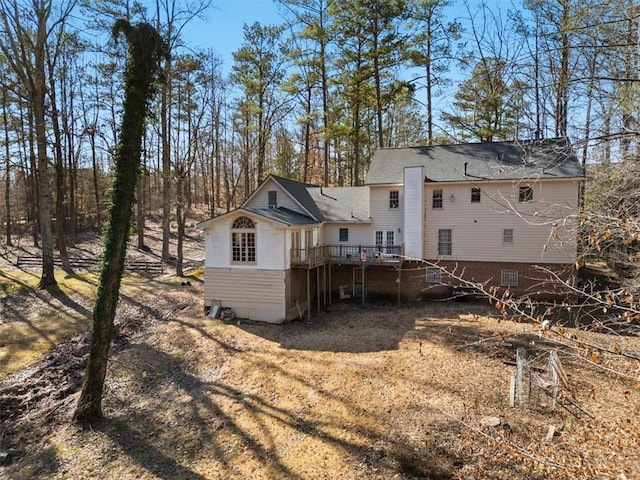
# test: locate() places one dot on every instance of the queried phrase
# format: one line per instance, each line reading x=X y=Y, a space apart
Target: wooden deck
x=346 y=254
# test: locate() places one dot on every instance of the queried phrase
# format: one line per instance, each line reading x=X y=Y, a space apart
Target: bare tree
x=24 y=42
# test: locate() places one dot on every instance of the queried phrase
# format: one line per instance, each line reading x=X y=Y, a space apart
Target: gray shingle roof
x=298 y=190
x=342 y=204
x=552 y=158
x=284 y=215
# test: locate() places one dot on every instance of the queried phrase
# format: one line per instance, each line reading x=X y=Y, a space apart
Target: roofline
x=349 y=222
x=306 y=185
x=206 y=223
x=275 y=179
x=501 y=142
x=486 y=180
x=505 y=180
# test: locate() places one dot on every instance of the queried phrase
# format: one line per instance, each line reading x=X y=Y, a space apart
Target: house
x=501 y=214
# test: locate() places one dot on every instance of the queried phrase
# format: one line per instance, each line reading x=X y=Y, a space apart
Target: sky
x=222 y=31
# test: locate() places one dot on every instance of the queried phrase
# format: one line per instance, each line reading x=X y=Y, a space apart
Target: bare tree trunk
x=180 y=219
x=33 y=179
x=166 y=163
x=7 y=172
x=92 y=131
x=37 y=98
x=60 y=177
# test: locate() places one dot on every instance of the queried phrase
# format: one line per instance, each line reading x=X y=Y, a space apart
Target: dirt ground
x=375 y=392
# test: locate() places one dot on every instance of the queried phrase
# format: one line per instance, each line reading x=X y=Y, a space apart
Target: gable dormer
x=278 y=192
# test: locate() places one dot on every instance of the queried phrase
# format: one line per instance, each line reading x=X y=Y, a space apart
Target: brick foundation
x=382 y=281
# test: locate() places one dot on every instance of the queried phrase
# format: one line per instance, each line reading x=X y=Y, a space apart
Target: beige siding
x=385 y=218
x=252 y=294
x=477 y=228
x=261 y=198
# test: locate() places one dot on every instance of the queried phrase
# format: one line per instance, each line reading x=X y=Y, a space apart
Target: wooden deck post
x=324 y=284
x=318 y=287
x=330 y=284
x=363 y=283
x=399 y=283
x=308 y=293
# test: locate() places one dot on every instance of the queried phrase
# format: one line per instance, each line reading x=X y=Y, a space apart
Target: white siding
x=252 y=294
x=271 y=248
x=359 y=234
x=413 y=211
x=261 y=197
x=477 y=227
x=383 y=217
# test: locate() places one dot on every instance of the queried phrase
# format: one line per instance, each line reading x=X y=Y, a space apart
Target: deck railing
x=347 y=254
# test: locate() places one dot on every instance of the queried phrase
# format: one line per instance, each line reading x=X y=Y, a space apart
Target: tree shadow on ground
x=346 y=329
x=137 y=446
x=185 y=417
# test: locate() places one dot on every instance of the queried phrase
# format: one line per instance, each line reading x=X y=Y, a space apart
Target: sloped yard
x=375 y=392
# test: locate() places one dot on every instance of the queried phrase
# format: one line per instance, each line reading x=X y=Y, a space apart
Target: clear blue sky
x=222 y=31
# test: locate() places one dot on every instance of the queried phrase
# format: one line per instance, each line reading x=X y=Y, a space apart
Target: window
x=475 y=195
x=273 y=199
x=509 y=278
x=525 y=194
x=385 y=238
x=344 y=235
x=444 y=242
x=394 y=199
x=243 y=240
x=507 y=236
x=433 y=275
x=391 y=237
x=437 y=199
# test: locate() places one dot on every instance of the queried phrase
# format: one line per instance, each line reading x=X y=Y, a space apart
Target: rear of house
x=429 y=219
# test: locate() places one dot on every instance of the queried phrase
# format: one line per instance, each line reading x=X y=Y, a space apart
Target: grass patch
x=25 y=340
x=33 y=321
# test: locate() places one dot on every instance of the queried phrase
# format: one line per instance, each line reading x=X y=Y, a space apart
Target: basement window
x=509 y=278
x=433 y=275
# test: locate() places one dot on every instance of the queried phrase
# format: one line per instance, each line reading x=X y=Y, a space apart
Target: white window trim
x=524 y=188
x=394 y=202
x=450 y=243
x=508 y=241
x=242 y=232
x=275 y=195
x=440 y=199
